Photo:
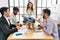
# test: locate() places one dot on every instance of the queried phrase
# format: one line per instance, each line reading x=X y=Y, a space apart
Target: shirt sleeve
x=6 y=30
x=49 y=28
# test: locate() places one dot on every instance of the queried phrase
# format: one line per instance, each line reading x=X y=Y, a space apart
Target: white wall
x=3 y=3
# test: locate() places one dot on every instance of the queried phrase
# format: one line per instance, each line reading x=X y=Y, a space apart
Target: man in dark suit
x=5 y=24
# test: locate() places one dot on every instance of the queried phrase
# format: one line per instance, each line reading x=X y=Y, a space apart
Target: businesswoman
x=29 y=13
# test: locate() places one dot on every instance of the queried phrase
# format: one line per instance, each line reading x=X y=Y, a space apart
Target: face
x=7 y=14
x=43 y=14
x=30 y=4
x=15 y=12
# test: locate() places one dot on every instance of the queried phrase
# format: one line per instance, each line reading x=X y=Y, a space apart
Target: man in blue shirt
x=49 y=25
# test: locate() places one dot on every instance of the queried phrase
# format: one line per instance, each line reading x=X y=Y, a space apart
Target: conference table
x=31 y=35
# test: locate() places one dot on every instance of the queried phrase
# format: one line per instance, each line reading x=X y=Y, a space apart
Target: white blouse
x=30 y=13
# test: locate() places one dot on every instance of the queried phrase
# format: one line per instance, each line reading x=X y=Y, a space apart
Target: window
x=21 y=4
x=42 y=4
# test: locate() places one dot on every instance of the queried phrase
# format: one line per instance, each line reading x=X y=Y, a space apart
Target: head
x=15 y=10
x=5 y=11
x=30 y=6
x=46 y=13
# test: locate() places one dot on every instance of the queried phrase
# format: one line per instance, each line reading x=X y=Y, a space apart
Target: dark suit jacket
x=5 y=29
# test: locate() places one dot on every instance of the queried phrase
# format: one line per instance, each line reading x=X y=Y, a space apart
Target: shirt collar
x=47 y=19
x=6 y=17
x=13 y=14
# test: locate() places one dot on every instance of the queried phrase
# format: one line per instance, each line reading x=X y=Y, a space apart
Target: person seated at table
x=29 y=13
x=58 y=22
x=49 y=24
x=13 y=19
x=5 y=24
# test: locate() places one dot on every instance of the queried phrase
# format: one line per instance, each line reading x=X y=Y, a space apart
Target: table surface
x=31 y=35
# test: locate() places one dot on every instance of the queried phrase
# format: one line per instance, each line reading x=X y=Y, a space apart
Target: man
x=5 y=24
x=58 y=22
x=13 y=19
x=50 y=26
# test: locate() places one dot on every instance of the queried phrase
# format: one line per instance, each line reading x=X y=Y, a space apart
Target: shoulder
x=1 y=20
x=11 y=15
x=50 y=20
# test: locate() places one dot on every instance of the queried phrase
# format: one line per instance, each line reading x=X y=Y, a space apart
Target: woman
x=29 y=13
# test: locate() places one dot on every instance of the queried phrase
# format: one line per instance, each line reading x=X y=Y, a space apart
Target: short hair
x=47 y=11
x=3 y=9
x=15 y=8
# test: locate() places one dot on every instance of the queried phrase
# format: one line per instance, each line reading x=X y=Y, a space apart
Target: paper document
x=20 y=32
x=17 y=35
x=23 y=29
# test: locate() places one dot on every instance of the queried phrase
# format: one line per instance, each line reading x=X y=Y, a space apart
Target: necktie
x=9 y=21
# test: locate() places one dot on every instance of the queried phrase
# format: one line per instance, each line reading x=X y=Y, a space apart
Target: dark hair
x=28 y=6
x=47 y=11
x=15 y=8
x=3 y=9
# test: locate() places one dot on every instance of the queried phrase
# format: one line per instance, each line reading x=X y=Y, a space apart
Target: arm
x=49 y=28
x=12 y=26
x=12 y=22
x=5 y=29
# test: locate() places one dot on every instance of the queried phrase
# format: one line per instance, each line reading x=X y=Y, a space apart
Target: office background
x=53 y=5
